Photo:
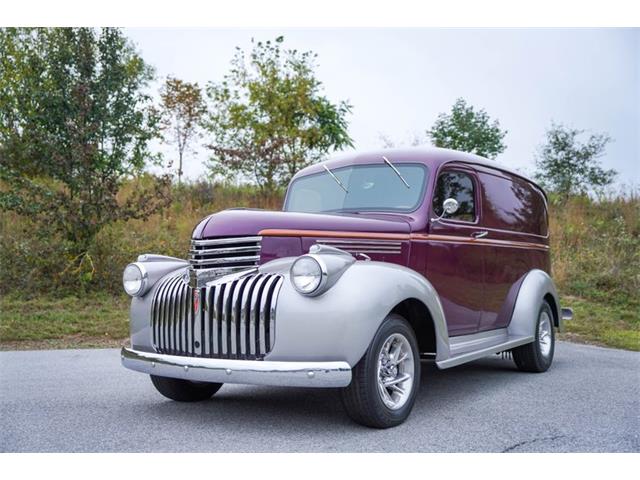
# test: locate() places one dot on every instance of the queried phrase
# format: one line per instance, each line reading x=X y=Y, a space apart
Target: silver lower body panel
x=253 y=372
x=466 y=348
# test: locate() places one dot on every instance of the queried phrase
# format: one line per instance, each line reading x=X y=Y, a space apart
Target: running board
x=467 y=348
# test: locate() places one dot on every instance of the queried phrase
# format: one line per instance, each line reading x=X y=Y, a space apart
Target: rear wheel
x=386 y=380
x=538 y=355
x=184 y=390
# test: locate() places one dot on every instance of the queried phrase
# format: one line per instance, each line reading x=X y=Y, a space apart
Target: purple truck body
x=475 y=266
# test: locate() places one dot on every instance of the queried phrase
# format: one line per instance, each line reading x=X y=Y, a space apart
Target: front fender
x=340 y=323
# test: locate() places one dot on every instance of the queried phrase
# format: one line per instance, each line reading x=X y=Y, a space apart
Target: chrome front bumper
x=255 y=372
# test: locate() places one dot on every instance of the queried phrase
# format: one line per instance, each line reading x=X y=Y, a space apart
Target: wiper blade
x=335 y=178
x=396 y=170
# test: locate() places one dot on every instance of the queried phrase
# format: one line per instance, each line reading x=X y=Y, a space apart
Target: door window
x=460 y=186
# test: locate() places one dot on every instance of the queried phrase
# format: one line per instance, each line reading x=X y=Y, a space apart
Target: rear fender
x=535 y=287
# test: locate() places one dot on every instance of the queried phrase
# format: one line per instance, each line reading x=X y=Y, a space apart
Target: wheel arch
x=536 y=287
x=555 y=309
x=421 y=321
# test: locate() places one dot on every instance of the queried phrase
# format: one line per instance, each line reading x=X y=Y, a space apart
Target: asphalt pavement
x=85 y=401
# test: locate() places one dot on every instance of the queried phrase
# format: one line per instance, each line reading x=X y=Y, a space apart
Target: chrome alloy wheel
x=544 y=334
x=395 y=371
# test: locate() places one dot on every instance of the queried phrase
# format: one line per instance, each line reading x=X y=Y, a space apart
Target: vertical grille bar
x=271 y=324
x=178 y=321
x=188 y=336
x=206 y=325
x=220 y=304
x=161 y=306
x=255 y=307
x=174 y=317
x=154 y=315
x=209 y=339
x=245 y=319
x=233 y=319
x=268 y=290
x=215 y=326
x=165 y=317
x=251 y=314
x=224 y=324
x=241 y=341
x=175 y=310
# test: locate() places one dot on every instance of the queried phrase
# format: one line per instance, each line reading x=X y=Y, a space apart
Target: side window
x=460 y=186
x=510 y=203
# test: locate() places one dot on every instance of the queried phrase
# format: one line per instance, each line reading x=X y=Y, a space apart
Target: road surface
x=83 y=400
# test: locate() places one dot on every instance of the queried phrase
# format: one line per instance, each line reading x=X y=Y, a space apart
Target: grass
x=69 y=322
x=603 y=324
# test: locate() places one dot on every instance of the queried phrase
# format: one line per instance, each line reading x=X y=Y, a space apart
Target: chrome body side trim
x=364 y=246
x=255 y=372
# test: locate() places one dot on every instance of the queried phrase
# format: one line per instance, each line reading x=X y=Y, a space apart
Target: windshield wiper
x=395 y=170
x=335 y=178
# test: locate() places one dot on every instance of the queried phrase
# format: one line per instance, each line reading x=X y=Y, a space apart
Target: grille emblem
x=196 y=301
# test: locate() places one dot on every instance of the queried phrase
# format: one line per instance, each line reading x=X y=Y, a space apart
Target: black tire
x=361 y=398
x=530 y=357
x=184 y=390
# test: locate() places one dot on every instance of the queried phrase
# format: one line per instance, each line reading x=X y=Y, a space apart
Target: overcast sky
x=398 y=80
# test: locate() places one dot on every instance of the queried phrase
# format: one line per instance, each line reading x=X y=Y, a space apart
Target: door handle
x=480 y=234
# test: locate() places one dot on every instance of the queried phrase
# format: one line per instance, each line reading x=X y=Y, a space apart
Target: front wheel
x=184 y=390
x=386 y=380
x=538 y=355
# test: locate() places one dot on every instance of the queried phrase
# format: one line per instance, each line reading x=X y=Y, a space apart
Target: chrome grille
x=364 y=246
x=228 y=254
x=231 y=318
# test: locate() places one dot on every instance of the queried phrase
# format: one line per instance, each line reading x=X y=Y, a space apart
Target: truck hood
x=246 y=222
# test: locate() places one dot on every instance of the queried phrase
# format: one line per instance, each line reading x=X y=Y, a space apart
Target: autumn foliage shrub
x=35 y=260
x=595 y=247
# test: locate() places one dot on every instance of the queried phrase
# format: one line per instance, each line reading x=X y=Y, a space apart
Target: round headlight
x=306 y=275
x=134 y=279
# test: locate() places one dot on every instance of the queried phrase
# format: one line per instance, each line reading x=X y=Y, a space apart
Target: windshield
x=368 y=187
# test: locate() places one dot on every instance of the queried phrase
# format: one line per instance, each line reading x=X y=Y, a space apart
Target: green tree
x=268 y=117
x=468 y=130
x=74 y=124
x=566 y=166
x=182 y=108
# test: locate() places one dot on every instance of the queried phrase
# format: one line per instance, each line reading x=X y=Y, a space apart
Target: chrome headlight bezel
x=143 y=275
x=331 y=263
x=322 y=275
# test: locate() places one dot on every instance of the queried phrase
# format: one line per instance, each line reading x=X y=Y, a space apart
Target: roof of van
x=431 y=156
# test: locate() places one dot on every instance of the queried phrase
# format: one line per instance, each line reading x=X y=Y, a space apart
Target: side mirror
x=449 y=207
